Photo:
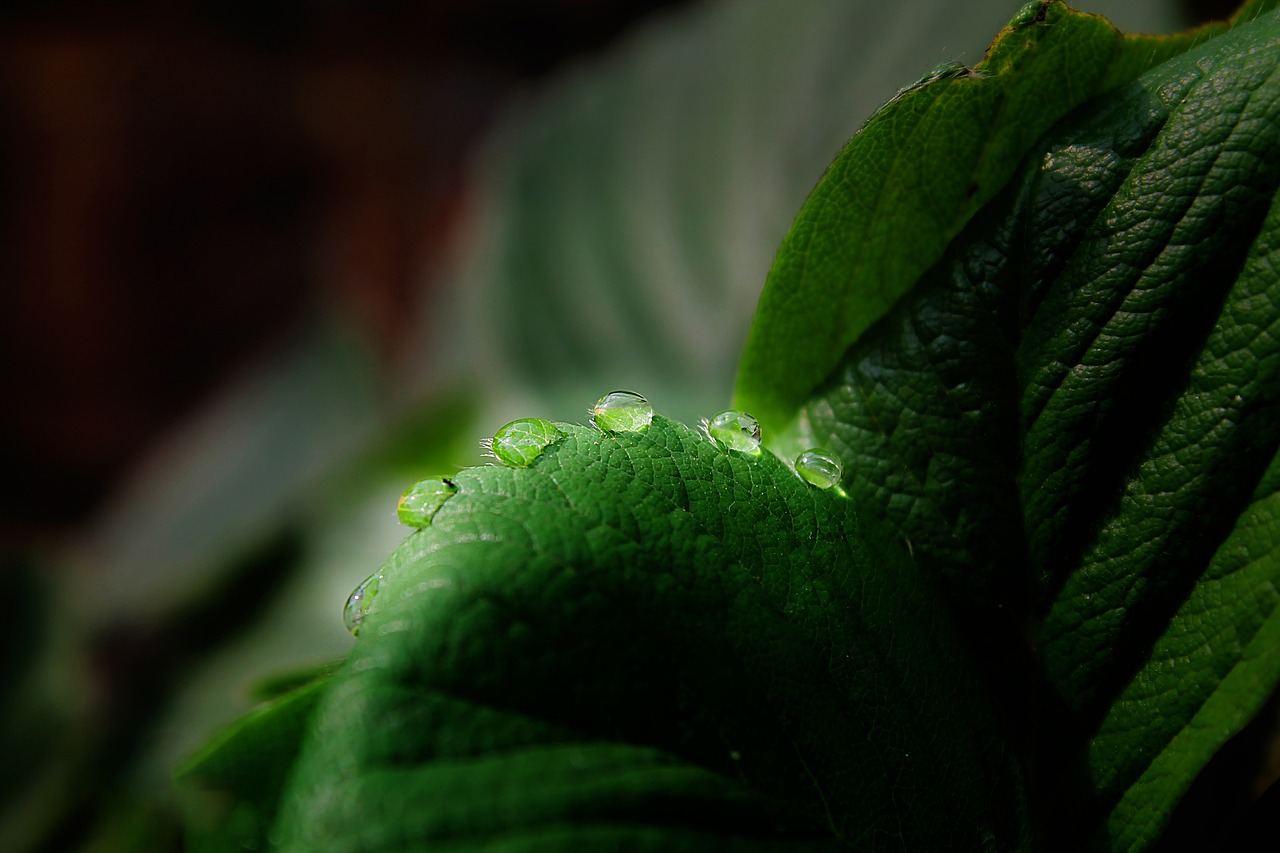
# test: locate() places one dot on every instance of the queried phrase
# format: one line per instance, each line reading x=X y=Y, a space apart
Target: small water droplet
x=736 y=431
x=622 y=411
x=421 y=501
x=522 y=441
x=1027 y=15
x=358 y=602
x=820 y=467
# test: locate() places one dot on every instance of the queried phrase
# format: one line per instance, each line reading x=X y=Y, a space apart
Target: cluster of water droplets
x=521 y=442
x=417 y=506
x=739 y=431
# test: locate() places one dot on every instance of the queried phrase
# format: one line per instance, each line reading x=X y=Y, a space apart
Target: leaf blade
x=1221 y=685
x=1082 y=397
x=907 y=183
x=794 y=646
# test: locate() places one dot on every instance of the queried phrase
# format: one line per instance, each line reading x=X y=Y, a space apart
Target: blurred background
x=264 y=265
x=185 y=182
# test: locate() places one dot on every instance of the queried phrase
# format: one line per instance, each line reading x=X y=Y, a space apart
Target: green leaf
x=906 y=184
x=229 y=790
x=645 y=637
x=1073 y=415
x=1207 y=674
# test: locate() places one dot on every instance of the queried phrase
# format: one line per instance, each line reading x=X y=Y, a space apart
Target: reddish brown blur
x=183 y=183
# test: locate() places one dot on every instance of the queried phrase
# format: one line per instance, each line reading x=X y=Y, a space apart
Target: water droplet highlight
x=522 y=441
x=421 y=501
x=622 y=411
x=736 y=431
x=820 y=467
x=358 y=602
x=1027 y=15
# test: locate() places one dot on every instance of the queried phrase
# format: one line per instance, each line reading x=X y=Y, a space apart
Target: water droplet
x=1027 y=15
x=420 y=502
x=622 y=411
x=358 y=602
x=520 y=442
x=736 y=431
x=820 y=467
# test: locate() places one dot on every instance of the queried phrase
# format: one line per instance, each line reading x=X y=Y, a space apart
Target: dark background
x=182 y=181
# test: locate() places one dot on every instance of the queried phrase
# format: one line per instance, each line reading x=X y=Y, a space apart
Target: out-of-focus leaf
x=1074 y=416
x=347 y=523
x=630 y=214
x=231 y=788
x=225 y=485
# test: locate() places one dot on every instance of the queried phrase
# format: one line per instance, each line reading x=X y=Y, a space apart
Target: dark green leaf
x=645 y=638
x=230 y=790
x=907 y=183
x=1073 y=416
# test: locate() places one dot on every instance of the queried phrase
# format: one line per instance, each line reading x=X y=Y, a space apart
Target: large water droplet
x=622 y=411
x=736 y=431
x=358 y=602
x=421 y=501
x=820 y=467
x=520 y=442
